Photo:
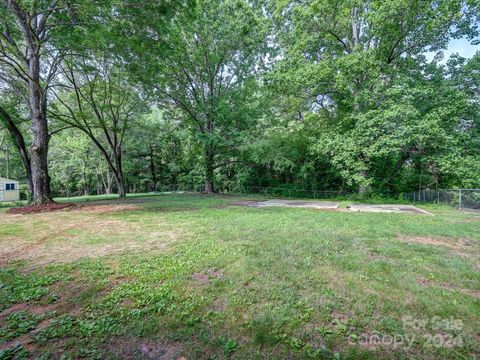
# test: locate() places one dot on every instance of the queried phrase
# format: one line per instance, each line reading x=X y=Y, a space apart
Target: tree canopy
x=342 y=95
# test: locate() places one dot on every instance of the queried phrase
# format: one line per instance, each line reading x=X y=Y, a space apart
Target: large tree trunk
x=39 y=147
x=120 y=186
x=209 y=188
x=119 y=173
x=33 y=27
x=19 y=142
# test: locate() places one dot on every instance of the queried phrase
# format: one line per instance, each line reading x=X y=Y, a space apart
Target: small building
x=9 y=190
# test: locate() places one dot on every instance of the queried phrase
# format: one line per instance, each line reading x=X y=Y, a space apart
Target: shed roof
x=7 y=180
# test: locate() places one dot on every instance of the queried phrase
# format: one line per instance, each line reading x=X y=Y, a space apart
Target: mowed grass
x=175 y=276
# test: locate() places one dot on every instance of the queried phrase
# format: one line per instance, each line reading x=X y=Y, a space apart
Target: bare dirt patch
x=205 y=277
x=340 y=317
x=219 y=305
x=134 y=348
x=201 y=278
x=13 y=308
x=24 y=341
x=33 y=209
x=104 y=209
x=38 y=255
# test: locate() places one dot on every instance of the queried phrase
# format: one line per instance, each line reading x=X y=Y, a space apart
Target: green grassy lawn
x=172 y=276
x=80 y=199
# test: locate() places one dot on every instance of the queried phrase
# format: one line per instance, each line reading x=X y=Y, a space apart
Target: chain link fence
x=243 y=190
x=461 y=198
x=287 y=193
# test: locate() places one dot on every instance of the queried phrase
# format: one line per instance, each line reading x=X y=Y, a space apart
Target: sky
x=460 y=46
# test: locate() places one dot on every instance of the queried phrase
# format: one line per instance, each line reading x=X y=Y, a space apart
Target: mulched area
x=32 y=209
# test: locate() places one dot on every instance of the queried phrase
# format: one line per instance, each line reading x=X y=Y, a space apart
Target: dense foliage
x=224 y=94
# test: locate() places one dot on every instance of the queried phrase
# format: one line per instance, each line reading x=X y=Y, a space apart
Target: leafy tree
x=25 y=35
x=343 y=56
x=208 y=74
x=34 y=36
x=74 y=165
x=97 y=100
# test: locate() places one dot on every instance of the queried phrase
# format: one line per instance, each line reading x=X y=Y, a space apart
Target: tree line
x=117 y=96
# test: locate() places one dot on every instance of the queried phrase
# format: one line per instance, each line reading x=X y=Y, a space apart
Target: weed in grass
x=17 y=353
x=229 y=346
x=264 y=330
x=17 y=324
x=17 y=288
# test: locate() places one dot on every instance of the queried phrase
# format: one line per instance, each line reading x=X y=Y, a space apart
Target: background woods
x=214 y=95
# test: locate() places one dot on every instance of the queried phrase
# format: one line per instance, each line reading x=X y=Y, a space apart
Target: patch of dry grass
x=462 y=247
x=88 y=231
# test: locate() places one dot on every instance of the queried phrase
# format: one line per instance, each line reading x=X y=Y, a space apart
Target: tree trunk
x=106 y=182
x=356 y=31
x=120 y=186
x=152 y=168
x=355 y=27
x=39 y=147
x=209 y=188
x=114 y=165
x=86 y=182
x=108 y=187
x=19 y=142
x=119 y=173
x=363 y=188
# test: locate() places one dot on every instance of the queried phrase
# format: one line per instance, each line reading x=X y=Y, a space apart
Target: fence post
x=460 y=198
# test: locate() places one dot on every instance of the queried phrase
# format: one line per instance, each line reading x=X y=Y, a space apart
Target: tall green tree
x=25 y=35
x=208 y=73
x=343 y=56
x=34 y=36
x=96 y=99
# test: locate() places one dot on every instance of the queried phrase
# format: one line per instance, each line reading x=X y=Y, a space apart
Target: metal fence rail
x=461 y=198
x=287 y=192
x=243 y=190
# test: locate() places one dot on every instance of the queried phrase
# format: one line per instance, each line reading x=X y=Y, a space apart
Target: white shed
x=9 y=190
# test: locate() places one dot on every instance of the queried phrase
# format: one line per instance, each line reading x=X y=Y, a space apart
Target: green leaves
x=359 y=68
